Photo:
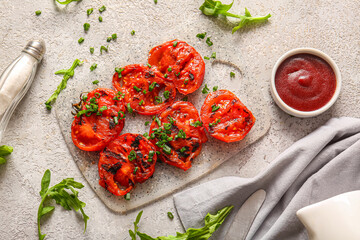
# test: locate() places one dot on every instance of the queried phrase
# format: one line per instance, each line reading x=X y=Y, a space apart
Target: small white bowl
x=305 y=114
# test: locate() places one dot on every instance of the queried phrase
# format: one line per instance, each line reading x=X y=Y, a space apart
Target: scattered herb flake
x=147 y=123
x=38 y=12
x=175 y=43
x=103 y=8
x=232 y=74
x=213 y=55
x=209 y=42
x=93 y=67
x=119 y=70
x=201 y=35
x=81 y=40
x=215 y=88
x=114 y=36
x=95 y=82
x=92 y=50
x=86 y=27
x=100 y=19
x=205 y=90
x=170 y=215
x=103 y=48
x=89 y=11
x=133 y=32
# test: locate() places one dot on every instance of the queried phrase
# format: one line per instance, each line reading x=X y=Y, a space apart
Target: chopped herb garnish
x=166 y=149
x=186 y=81
x=136 y=88
x=215 y=88
x=65 y=2
x=232 y=74
x=103 y=108
x=177 y=74
x=89 y=11
x=165 y=75
x=132 y=155
x=122 y=115
x=209 y=42
x=141 y=102
x=86 y=27
x=95 y=82
x=97 y=95
x=147 y=123
x=169 y=69
x=151 y=155
x=148 y=65
x=133 y=32
x=114 y=36
x=213 y=55
x=92 y=50
x=205 y=89
x=170 y=215
x=68 y=73
x=116 y=120
x=214 y=123
x=38 y=12
x=100 y=19
x=181 y=134
x=158 y=99
x=157 y=120
x=167 y=126
x=171 y=120
x=103 y=48
x=152 y=85
x=103 y=8
x=108 y=39
x=81 y=40
x=127 y=197
x=166 y=94
x=119 y=70
x=201 y=35
x=175 y=44
x=155 y=1
x=93 y=67
x=129 y=109
x=214 y=108
x=206 y=58
x=144 y=92
x=183 y=149
x=135 y=170
x=196 y=124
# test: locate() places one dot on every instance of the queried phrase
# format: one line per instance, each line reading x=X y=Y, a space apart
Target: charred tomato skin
x=94 y=132
x=186 y=64
x=225 y=117
x=141 y=86
x=117 y=171
x=183 y=114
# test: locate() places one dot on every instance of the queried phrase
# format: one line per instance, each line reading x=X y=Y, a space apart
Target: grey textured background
x=331 y=26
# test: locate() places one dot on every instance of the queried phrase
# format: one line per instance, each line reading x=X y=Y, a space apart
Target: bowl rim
x=304 y=114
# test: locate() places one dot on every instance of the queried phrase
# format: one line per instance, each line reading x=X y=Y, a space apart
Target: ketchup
x=305 y=82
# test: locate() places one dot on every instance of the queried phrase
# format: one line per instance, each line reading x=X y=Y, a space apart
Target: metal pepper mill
x=17 y=78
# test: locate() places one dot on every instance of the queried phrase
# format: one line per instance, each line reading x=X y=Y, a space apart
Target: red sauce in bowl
x=305 y=82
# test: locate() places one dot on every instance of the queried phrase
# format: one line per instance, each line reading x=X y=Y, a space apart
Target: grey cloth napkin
x=321 y=165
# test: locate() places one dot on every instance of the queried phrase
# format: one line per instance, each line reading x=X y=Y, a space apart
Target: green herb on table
x=205 y=89
x=209 y=42
x=155 y=1
x=103 y=8
x=4 y=151
x=93 y=67
x=68 y=73
x=100 y=19
x=133 y=32
x=103 y=48
x=114 y=36
x=66 y=2
x=215 y=8
x=108 y=39
x=62 y=197
x=170 y=215
x=81 y=40
x=147 y=123
x=127 y=197
x=213 y=55
x=206 y=58
x=89 y=11
x=92 y=50
x=201 y=35
x=95 y=82
x=86 y=27
x=212 y=223
x=38 y=12
x=232 y=74
x=215 y=88
x=119 y=70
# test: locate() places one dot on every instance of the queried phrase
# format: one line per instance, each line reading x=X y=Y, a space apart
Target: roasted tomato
x=180 y=63
x=129 y=159
x=178 y=134
x=144 y=88
x=225 y=117
x=99 y=120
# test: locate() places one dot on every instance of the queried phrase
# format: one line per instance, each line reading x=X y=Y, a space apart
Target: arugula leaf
x=212 y=223
x=68 y=73
x=66 y=2
x=61 y=196
x=4 y=151
x=214 y=8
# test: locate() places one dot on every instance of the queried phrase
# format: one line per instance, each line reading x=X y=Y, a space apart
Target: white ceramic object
x=290 y=110
x=337 y=218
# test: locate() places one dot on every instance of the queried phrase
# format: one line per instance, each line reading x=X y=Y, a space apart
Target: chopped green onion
x=119 y=70
x=116 y=120
x=122 y=113
x=166 y=149
x=191 y=76
x=196 y=124
x=177 y=74
x=108 y=39
x=175 y=44
x=170 y=215
x=103 y=48
x=158 y=152
x=93 y=67
x=97 y=95
x=100 y=19
x=92 y=50
x=232 y=74
x=157 y=120
x=133 y=32
x=95 y=82
x=89 y=11
x=103 y=108
x=214 y=123
x=201 y=35
x=214 y=108
x=183 y=149
x=86 y=27
x=38 y=12
x=209 y=42
x=132 y=155
x=181 y=134
x=151 y=155
x=81 y=40
x=135 y=170
x=146 y=135
x=169 y=69
x=103 y=8
x=205 y=89
x=215 y=88
x=127 y=196
x=171 y=120
x=129 y=109
x=167 y=126
x=141 y=102
x=152 y=85
x=158 y=99
x=165 y=75
x=84 y=97
x=213 y=55
x=137 y=89
x=166 y=94
x=114 y=36
x=155 y=1
x=144 y=91
x=148 y=65
x=206 y=58
x=186 y=81
x=147 y=123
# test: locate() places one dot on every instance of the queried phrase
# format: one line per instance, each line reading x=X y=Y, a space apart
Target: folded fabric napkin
x=321 y=165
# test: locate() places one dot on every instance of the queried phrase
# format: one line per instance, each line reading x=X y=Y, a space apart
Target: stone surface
x=331 y=26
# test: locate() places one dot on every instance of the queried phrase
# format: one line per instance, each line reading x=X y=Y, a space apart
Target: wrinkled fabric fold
x=323 y=164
